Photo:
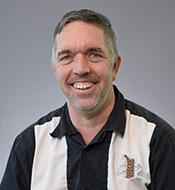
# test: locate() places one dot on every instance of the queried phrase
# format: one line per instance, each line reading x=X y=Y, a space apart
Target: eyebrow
x=66 y=51
x=95 y=49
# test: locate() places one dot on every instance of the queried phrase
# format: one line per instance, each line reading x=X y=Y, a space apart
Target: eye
x=65 y=58
x=94 y=56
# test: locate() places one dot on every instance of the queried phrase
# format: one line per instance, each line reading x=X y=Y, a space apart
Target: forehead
x=80 y=35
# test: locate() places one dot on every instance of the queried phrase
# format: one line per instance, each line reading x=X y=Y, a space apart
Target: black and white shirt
x=135 y=150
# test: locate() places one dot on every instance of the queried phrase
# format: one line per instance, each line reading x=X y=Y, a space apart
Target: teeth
x=83 y=86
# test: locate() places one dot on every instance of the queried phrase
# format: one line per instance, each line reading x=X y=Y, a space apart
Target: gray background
x=28 y=90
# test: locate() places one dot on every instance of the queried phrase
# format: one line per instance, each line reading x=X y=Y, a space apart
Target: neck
x=89 y=126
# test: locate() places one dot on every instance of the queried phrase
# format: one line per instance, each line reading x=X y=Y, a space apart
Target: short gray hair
x=92 y=17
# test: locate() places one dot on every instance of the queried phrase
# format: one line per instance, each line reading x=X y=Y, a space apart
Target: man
x=98 y=140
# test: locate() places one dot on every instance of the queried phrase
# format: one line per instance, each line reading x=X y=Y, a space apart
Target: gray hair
x=92 y=17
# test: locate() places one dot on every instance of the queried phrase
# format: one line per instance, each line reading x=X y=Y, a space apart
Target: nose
x=81 y=65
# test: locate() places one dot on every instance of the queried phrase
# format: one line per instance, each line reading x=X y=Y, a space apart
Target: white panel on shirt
x=50 y=159
x=128 y=164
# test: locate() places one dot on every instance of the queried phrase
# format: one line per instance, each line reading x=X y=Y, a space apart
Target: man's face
x=83 y=67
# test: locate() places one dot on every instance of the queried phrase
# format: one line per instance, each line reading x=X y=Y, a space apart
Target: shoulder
x=163 y=136
x=25 y=141
x=148 y=115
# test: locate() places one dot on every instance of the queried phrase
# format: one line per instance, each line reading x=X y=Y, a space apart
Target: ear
x=116 y=67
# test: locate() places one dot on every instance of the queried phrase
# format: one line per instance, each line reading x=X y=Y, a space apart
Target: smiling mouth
x=83 y=85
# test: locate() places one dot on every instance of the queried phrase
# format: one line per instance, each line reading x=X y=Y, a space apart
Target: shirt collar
x=116 y=121
x=65 y=126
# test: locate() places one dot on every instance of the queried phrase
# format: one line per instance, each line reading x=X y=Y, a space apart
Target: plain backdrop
x=145 y=32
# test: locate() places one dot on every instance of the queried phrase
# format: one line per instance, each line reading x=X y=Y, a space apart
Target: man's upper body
x=134 y=150
x=98 y=140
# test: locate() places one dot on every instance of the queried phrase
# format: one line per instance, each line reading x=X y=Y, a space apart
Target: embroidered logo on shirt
x=129 y=167
x=132 y=171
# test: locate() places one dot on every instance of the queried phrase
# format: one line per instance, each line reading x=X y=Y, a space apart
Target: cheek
x=60 y=73
x=105 y=72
